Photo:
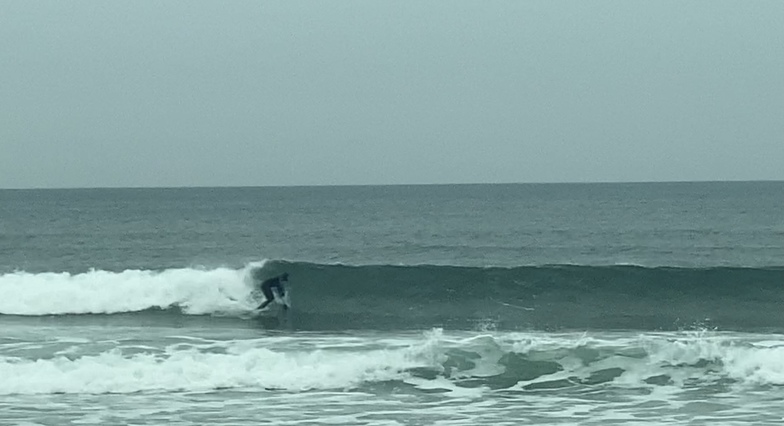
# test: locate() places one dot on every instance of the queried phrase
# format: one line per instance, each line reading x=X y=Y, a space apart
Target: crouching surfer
x=273 y=288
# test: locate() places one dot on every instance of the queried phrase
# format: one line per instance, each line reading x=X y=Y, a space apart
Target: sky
x=267 y=93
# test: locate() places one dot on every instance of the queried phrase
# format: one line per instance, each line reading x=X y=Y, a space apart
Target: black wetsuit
x=266 y=289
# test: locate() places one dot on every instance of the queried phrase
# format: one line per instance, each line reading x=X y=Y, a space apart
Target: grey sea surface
x=454 y=304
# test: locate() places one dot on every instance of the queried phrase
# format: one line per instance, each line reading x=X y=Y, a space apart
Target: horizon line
x=392 y=184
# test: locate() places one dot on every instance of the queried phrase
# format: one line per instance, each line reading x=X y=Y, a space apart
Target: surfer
x=274 y=283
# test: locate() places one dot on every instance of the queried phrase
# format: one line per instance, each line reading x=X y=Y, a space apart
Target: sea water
x=464 y=304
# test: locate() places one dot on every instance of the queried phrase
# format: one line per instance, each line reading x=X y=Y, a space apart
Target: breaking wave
x=334 y=297
x=434 y=362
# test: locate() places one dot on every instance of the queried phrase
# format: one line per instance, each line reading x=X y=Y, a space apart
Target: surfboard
x=268 y=311
x=280 y=304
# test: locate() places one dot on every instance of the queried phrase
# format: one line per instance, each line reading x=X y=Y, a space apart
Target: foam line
x=194 y=291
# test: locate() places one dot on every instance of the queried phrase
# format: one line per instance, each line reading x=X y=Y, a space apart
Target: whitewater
x=642 y=304
x=105 y=292
x=588 y=377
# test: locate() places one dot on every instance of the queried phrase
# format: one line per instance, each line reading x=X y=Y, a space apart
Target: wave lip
x=103 y=292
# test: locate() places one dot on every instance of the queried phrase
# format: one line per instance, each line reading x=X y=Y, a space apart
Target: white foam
x=756 y=365
x=737 y=357
x=296 y=363
x=195 y=291
x=744 y=358
x=192 y=370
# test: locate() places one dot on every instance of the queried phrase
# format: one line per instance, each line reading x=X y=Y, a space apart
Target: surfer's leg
x=267 y=291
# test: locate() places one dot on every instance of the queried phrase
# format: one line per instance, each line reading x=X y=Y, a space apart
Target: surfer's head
x=285 y=276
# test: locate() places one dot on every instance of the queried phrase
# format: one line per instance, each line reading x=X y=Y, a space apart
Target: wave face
x=387 y=297
x=433 y=362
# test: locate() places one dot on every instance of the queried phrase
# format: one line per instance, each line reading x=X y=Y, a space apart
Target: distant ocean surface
x=589 y=304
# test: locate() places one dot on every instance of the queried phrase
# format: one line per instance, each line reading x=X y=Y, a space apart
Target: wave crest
x=192 y=291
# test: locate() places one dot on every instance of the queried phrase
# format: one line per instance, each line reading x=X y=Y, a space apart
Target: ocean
x=590 y=304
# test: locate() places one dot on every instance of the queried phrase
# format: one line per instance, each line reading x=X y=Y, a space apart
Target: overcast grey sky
x=209 y=93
